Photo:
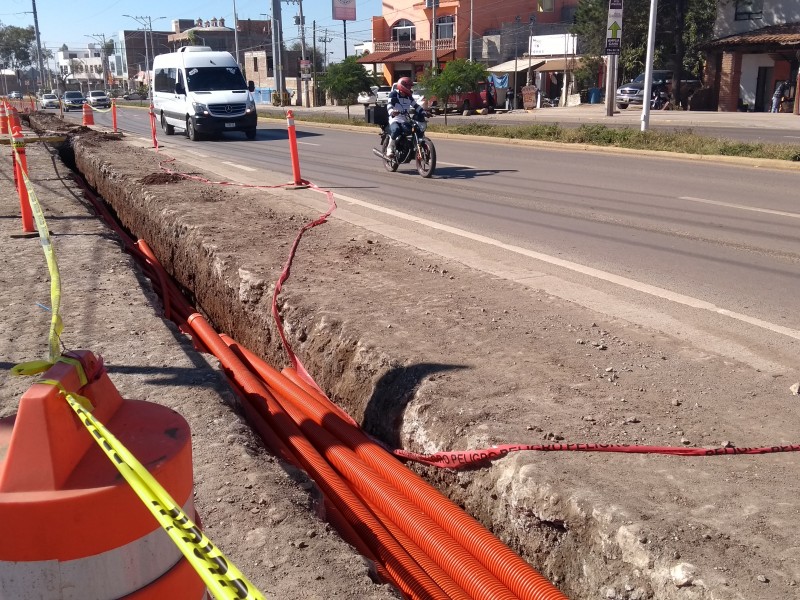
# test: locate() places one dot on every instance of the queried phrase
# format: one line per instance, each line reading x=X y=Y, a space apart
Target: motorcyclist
x=401 y=102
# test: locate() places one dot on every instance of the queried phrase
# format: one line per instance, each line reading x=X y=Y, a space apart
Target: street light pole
x=101 y=37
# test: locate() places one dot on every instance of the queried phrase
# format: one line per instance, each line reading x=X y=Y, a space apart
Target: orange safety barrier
x=88 y=115
x=13 y=119
x=72 y=527
x=114 y=115
x=3 y=119
x=20 y=169
x=298 y=181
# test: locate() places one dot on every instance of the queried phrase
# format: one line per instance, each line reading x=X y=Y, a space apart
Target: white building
x=82 y=68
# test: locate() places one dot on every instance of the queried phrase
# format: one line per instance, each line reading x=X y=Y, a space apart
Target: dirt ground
x=428 y=355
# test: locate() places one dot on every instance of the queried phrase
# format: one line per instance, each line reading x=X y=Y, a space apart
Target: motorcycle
x=412 y=144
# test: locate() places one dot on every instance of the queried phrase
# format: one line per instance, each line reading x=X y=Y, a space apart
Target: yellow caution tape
x=56 y=324
x=33 y=367
x=221 y=576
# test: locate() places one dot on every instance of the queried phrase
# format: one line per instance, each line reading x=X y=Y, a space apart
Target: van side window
x=180 y=83
x=164 y=80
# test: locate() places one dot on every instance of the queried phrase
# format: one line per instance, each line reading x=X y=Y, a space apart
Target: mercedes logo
x=228 y=108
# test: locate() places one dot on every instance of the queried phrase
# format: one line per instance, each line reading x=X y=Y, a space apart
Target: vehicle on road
x=202 y=92
x=73 y=101
x=632 y=94
x=378 y=94
x=99 y=99
x=133 y=96
x=48 y=101
x=482 y=97
x=15 y=95
x=413 y=144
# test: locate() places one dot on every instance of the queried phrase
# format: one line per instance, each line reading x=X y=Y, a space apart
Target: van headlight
x=200 y=108
x=250 y=106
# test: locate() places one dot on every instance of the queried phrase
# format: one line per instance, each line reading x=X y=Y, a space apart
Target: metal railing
x=411 y=45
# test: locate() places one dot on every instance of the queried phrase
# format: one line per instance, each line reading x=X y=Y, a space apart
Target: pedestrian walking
x=781 y=89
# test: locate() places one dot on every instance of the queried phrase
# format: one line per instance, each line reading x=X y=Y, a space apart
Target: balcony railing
x=408 y=46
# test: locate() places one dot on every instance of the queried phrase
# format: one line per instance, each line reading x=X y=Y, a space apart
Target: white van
x=202 y=92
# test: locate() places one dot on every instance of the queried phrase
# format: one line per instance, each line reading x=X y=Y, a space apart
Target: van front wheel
x=191 y=132
x=250 y=133
x=168 y=129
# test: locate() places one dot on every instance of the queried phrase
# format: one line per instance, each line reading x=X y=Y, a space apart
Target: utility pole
x=302 y=27
x=648 y=69
x=344 y=26
x=470 y=30
x=38 y=44
x=314 y=57
x=325 y=39
x=101 y=37
x=236 y=33
x=277 y=41
x=434 y=64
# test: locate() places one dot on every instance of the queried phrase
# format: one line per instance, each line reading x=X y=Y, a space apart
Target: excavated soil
x=429 y=355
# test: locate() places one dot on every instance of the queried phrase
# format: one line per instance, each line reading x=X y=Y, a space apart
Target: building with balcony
x=756 y=45
x=483 y=30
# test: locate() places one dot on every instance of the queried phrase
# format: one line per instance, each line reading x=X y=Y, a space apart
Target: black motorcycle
x=412 y=144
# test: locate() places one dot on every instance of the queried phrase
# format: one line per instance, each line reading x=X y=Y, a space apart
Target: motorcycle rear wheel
x=426 y=158
x=390 y=164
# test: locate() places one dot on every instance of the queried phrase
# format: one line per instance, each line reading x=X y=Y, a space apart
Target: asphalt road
x=698 y=248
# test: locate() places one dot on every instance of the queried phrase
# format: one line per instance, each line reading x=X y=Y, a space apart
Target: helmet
x=404 y=86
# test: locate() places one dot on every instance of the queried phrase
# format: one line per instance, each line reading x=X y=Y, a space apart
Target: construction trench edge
x=588 y=540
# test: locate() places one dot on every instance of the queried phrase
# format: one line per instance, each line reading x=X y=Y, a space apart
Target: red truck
x=484 y=97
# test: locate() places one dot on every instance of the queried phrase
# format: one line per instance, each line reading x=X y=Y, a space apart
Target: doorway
x=764 y=90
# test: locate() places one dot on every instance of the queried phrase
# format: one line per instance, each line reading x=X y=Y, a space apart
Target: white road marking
x=242 y=167
x=308 y=143
x=742 y=207
x=457 y=165
x=196 y=153
x=583 y=269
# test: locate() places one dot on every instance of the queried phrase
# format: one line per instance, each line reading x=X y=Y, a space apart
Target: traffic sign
x=614 y=27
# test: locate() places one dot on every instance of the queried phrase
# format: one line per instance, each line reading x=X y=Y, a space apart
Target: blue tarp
x=499 y=81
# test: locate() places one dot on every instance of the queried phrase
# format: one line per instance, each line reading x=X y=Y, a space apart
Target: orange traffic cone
x=3 y=119
x=94 y=536
x=88 y=115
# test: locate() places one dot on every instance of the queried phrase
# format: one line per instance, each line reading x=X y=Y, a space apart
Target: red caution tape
x=473 y=458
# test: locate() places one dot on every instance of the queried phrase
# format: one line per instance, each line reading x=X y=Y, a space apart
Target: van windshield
x=210 y=79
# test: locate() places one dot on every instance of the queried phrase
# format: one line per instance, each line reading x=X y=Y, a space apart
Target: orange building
x=488 y=31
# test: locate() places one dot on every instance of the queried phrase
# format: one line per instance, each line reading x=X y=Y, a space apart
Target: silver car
x=48 y=101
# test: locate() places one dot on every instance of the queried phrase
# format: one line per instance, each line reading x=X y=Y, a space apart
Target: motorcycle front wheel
x=390 y=164
x=426 y=158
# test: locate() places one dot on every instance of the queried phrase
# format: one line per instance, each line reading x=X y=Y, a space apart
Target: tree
x=459 y=75
x=17 y=46
x=345 y=80
x=682 y=26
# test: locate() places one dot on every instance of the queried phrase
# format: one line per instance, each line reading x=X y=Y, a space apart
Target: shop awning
x=521 y=65
x=537 y=63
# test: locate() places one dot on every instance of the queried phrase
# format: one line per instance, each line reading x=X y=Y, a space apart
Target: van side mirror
x=251 y=87
x=179 y=89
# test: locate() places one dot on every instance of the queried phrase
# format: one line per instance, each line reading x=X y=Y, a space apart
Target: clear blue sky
x=69 y=22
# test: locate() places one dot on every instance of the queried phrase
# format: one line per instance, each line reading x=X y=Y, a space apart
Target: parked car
x=48 y=101
x=633 y=93
x=99 y=99
x=15 y=95
x=378 y=94
x=73 y=100
x=133 y=96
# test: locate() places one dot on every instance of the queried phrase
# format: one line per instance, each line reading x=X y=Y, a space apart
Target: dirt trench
x=429 y=355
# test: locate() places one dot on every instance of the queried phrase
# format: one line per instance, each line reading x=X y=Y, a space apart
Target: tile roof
x=786 y=34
